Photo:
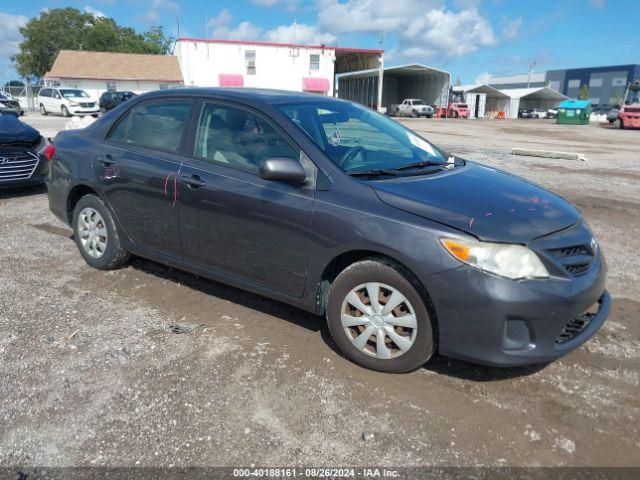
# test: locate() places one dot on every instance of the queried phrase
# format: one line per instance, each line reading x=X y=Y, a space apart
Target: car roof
x=247 y=95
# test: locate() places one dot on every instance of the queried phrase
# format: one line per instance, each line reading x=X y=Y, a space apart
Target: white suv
x=67 y=102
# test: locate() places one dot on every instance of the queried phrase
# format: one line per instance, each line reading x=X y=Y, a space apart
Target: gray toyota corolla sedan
x=334 y=208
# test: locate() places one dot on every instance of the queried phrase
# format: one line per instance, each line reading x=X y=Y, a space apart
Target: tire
x=621 y=124
x=103 y=110
x=384 y=277
x=396 y=113
x=64 y=111
x=414 y=114
x=454 y=114
x=113 y=255
x=43 y=111
x=94 y=115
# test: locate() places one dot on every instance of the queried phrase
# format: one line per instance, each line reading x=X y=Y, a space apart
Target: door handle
x=107 y=160
x=194 y=181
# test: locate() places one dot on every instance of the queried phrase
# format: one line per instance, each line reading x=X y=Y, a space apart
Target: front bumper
x=496 y=321
x=38 y=177
x=73 y=110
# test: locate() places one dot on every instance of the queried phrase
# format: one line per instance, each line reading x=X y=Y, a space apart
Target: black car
x=9 y=105
x=334 y=208
x=21 y=163
x=110 y=100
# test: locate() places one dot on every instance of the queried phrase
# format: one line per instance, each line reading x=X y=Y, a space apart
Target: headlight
x=511 y=261
x=73 y=103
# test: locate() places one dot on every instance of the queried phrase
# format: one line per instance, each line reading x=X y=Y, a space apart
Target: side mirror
x=283 y=169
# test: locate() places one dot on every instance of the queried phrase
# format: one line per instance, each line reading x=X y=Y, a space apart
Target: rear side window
x=237 y=137
x=154 y=125
x=44 y=92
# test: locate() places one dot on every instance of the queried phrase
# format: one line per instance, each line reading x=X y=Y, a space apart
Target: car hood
x=487 y=203
x=13 y=130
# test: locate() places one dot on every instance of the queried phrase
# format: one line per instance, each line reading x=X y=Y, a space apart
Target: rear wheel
x=621 y=124
x=96 y=235
x=378 y=319
x=43 y=111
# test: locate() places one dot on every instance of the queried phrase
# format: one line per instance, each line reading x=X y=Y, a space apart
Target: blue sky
x=469 y=38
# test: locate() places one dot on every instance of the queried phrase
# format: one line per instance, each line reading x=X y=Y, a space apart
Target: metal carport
x=405 y=81
x=542 y=98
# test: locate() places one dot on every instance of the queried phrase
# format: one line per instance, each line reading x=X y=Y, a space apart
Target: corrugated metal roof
x=544 y=92
x=480 y=88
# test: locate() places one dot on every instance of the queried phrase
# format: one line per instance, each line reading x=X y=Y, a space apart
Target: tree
x=70 y=29
x=583 y=93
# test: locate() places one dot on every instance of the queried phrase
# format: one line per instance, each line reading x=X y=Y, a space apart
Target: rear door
x=231 y=220
x=138 y=166
x=55 y=101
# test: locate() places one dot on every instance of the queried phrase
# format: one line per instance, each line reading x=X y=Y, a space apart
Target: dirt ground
x=90 y=373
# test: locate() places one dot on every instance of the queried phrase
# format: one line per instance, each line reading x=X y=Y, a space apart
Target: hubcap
x=379 y=320
x=92 y=232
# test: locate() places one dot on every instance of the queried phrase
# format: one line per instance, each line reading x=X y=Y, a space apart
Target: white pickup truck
x=411 y=107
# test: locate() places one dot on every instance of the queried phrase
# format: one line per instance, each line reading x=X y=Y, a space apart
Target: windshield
x=74 y=94
x=634 y=95
x=418 y=102
x=356 y=138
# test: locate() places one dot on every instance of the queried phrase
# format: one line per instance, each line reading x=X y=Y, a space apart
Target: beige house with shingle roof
x=97 y=72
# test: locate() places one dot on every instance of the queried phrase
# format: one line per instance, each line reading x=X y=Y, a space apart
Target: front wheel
x=65 y=111
x=96 y=235
x=43 y=111
x=378 y=319
x=621 y=124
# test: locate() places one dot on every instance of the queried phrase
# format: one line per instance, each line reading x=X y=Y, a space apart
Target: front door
x=231 y=220
x=138 y=165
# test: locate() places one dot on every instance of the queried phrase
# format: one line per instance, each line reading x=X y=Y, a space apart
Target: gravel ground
x=91 y=373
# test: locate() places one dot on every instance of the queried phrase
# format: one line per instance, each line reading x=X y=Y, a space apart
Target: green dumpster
x=574 y=112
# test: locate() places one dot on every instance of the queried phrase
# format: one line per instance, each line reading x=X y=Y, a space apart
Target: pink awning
x=315 y=84
x=231 y=80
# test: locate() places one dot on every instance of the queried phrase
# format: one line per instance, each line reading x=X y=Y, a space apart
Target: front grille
x=17 y=166
x=578 y=324
x=574 y=260
x=87 y=105
x=632 y=110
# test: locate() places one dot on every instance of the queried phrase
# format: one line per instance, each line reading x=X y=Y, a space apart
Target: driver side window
x=238 y=138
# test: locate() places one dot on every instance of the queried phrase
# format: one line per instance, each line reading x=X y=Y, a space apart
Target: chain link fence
x=27 y=95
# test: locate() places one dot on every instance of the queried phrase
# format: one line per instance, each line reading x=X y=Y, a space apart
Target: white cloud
x=300 y=33
x=288 y=4
x=96 y=13
x=483 y=78
x=221 y=26
x=425 y=28
x=10 y=35
x=511 y=29
x=153 y=14
x=447 y=34
x=370 y=15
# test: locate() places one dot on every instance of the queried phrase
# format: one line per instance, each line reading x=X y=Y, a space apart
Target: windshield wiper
x=373 y=173
x=425 y=163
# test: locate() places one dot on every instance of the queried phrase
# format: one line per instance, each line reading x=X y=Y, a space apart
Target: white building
x=280 y=66
x=97 y=72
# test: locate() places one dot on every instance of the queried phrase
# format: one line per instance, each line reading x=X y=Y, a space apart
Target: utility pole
x=381 y=72
x=531 y=65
